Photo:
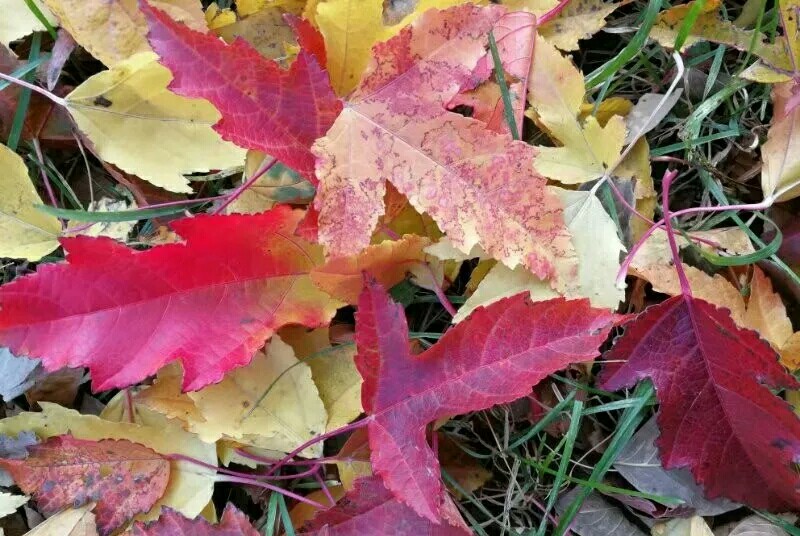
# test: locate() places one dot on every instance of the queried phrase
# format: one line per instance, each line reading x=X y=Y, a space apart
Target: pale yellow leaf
x=136 y=123
x=339 y=383
x=278 y=185
x=766 y=312
x=352 y=27
x=18 y=20
x=118 y=230
x=271 y=403
x=581 y=19
x=72 y=522
x=790 y=13
x=730 y=241
x=246 y=8
x=556 y=93
x=217 y=18
x=780 y=174
x=266 y=30
x=25 y=232
x=10 y=502
x=762 y=73
x=190 y=485
x=114 y=30
x=790 y=352
x=692 y=526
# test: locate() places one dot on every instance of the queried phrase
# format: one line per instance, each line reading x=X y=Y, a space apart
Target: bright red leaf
x=371 y=510
x=718 y=416
x=264 y=107
x=171 y=523
x=122 y=477
x=492 y=357
x=209 y=302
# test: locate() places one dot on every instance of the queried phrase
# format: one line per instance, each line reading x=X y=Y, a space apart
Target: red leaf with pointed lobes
x=371 y=510
x=718 y=416
x=492 y=357
x=309 y=38
x=264 y=107
x=209 y=302
x=122 y=477
x=171 y=523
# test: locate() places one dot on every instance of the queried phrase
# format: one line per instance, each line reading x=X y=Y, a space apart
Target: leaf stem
x=666 y=182
x=233 y=196
x=276 y=489
x=553 y=13
x=56 y=99
x=440 y=295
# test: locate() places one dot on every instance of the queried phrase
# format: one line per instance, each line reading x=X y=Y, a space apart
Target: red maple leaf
x=280 y=112
x=171 y=523
x=718 y=416
x=369 y=509
x=210 y=302
x=122 y=477
x=492 y=357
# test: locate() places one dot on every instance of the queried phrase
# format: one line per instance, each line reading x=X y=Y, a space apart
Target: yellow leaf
x=246 y=8
x=165 y=396
x=72 y=522
x=18 y=20
x=766 y=312
x=790 y=352
x=388 y=261
x=780 y=174
x=762 y=73
x=266 y=30
x=190 y=485
x=272 y=403
x=339 y=383
x=118 y=230
x=25 y=232
x=790 y=12
x=581 y=19
x=352 y=27
x=136 y=123
x=302 y=512
x=10 y=502
x=692 y=526
x=556 y=93
x=114 y=30
x=278 y=185
x=655 y=250
x=217 y=18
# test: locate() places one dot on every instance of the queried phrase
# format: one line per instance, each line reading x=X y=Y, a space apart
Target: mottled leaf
x=171 y=523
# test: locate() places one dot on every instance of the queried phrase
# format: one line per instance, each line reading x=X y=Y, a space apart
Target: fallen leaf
x=265 y=30
x=588 y=150
x=597 y=517
x=16 y=374
x=20 y=21
x=118 y=230
x=753 y=525
x=72 y=522
x=639 y=463
x=335 y=374
x=25 y=232
x=252 y=279
x=121 y=477
x=171 y=523
x=135 y=123
x=190 y=486
x=692 y=526
x=352 y=28
x=718 y=417
x=789 y=10
x=388 y=261
x=16 y=447
x=10 y=502
x=114 y=30
x=477 y=185
x=781 y=152
x=371 y=509
x=580 y=19
x=271 y=403
x=494 y=356
x=279 y=112
x=766 y=312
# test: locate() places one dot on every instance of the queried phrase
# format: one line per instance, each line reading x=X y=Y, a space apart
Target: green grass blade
x=24 y=100
x=268 y=527
x=286 y=521
x=120 y=215
x=29 y=66
x=546 y=420
x=39 y=15
x=688 y=23
x=508 y=108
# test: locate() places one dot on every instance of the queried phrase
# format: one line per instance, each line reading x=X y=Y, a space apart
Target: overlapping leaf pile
x=378 y=152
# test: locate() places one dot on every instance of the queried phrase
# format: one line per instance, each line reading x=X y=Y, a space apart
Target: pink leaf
x=171 y=523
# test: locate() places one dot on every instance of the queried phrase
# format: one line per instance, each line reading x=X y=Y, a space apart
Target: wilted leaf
x=371 y=509
x=352 y=28
x=556 y=93
x=171 y=523
x=477 y=185
x=598 y=517
x=209 y=302
x=265 y=30
x=650 y=110
x=753 y=525
x=25 y=232
x=10 y=502
x=190 y=486
x=781 y=152
x=766 y=312
x=718 y=416
x=72 y=522
x=494 y=356
x=135 y=123
x=114 y=30
x=118 y=230
x=581 y=19
x=122 y=477
x=16 y=374
x=639 y=463
x=19 y=21
x=279 y=112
